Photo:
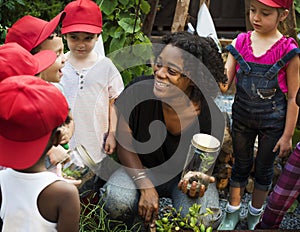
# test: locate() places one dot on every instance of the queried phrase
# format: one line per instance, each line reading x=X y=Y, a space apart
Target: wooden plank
x=181 y=13
x=150 y=17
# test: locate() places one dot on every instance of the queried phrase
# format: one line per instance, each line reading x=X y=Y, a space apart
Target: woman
x=158 y=115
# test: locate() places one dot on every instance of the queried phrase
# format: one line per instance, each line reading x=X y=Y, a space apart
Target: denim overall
x=259 y=109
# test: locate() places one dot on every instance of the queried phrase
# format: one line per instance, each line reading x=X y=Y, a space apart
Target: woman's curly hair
x=206 y=51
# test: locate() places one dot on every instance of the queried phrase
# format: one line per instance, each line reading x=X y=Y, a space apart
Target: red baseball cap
x=30 y=110
x=82 y=16
x=16 y=60
x=30 y=31
x=278 y=3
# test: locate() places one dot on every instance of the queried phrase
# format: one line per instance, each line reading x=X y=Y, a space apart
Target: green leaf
x=128 y=24
x=117 y=43
x=145 y=7
x=124 y=2
x=127 y=77
x=108 y=6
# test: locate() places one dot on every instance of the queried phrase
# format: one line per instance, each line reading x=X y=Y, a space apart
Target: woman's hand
x=148 y=205
x=195 y=183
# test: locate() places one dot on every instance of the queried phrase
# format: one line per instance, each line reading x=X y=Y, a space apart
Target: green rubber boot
x=253 y=219
x=230 y=220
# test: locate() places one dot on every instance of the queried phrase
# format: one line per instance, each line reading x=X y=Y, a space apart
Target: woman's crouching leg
x=120 y=197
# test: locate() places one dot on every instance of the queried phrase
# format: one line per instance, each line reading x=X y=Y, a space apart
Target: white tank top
x=20 y=191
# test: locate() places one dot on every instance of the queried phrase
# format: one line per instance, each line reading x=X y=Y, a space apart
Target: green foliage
x=94 y=218
x=173 y=221
x=12 y=10
x=122 y=21
x=297 y=11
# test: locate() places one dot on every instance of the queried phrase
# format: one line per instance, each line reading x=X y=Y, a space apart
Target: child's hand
x=68 y=180
x=284 y=146
x=110 y=144
x=65 y=134
x=58 y=155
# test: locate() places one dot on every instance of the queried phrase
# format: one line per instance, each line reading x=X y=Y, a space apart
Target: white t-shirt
x=20 y=191
x=88 y=93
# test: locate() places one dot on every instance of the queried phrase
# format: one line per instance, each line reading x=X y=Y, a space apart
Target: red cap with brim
x=16 y=60
x=45 y=59
x=82 y=28
x=31 y=109
x=19 y=155
x=30 y=31
x=82 y=16
x=278 y=3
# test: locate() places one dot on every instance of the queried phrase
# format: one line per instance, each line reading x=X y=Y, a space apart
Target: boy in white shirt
x=91 y=81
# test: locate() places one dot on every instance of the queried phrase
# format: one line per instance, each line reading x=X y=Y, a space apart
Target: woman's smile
x=160 y=84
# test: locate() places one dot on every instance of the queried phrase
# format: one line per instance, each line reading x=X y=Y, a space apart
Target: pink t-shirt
x=277 y=51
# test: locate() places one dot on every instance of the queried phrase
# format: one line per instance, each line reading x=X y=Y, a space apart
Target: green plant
x=173 y=221
x=122 y=21
x=12 y=10
x=94 y=218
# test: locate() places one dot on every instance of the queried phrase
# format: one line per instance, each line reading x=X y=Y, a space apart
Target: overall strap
x=273 y=71
x=243 y=64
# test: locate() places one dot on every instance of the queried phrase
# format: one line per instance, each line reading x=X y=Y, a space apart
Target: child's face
x=54 y=73
x=81 y=43
x=265 y=19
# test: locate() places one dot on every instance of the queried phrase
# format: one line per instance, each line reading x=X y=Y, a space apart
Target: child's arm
x=68 y=208
x=229 y=70
x=284 y=144
x=110 y=142
x=59 y=202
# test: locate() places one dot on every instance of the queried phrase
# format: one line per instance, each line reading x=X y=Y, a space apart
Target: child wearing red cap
x=91 y=82
x=16 y=60
x=265 y=65
x=36 y=35
x=33 y=199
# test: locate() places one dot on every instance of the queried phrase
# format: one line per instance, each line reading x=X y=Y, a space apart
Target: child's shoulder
x=290 y=42
x=243 y=38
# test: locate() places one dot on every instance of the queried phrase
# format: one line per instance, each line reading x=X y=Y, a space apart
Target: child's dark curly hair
x=206 y=51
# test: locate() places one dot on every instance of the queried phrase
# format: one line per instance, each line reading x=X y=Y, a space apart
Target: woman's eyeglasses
x=171 y=71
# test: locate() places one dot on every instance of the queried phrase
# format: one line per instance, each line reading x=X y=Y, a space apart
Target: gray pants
x=122 y=202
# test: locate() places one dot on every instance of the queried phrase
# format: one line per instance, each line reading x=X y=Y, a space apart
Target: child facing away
x=285 y=192
x=32 y=198
x=35 y=35
x=266 y=66
x=91 y=82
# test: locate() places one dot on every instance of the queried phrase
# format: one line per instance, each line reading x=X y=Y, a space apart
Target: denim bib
x=258 y=95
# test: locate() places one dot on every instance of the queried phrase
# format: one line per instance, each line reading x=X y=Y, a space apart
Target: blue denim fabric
x=259 y=109
x=122 y=203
